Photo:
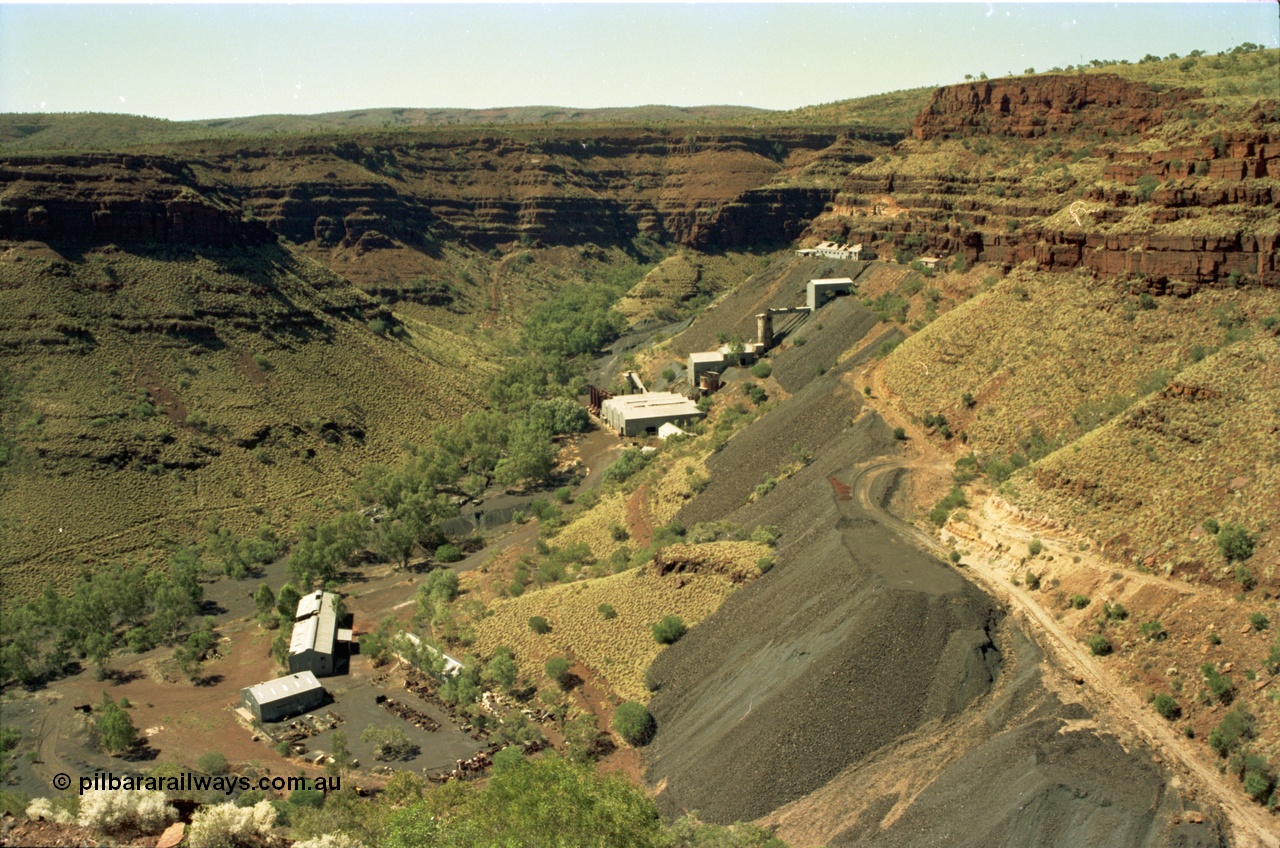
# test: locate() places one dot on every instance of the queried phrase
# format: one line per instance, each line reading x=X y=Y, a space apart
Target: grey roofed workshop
x=283 y=697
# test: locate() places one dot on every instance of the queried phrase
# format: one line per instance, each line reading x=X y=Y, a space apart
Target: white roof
x=284 y=687
x=707 y=356
x=309 y=604
x=451 y=666
x=833 y=281
x=667 y=430
x=304 y=635
x=662 y=402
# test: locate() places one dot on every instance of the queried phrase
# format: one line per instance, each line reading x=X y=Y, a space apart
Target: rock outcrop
x=1028 y=107
x=116 y=199
x=725 y=188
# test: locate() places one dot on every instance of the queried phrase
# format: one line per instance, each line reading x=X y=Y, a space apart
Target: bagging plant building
x=643 y=414
x=316 y=637
x=283 y=697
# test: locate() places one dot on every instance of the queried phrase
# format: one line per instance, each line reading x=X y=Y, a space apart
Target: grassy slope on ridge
x=1204 y=447
x=152 y=392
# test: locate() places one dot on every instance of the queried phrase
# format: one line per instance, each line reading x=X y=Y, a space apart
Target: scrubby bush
x=669 y=630
x=607 y=611
x=1035 y=547
x=1257 y=785
x=1235 y=542
x=761 y=370
x=1235 y=727
x=212 y=763
x=1167 y=706
x=952 y=500
x=331 y=840
x=539 y=625
x=389 y=743
x=448 y=553
x=1220 y=687
x=634 y=723
x=229 y=826
x=1115 y=612
x=146 y=811
x=43 y=809
x=1259 y=621
x=1099 y=645
x=1079 y=601
x=767 y=534
x=1153 y=631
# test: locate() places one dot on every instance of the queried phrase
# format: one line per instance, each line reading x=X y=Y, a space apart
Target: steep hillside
x=1042 y=360
x=1201 y=448
x=155 y=388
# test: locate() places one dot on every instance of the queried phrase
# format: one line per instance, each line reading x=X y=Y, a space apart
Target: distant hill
x=104 y=131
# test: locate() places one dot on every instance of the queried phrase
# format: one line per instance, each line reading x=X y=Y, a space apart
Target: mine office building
x=283 y=697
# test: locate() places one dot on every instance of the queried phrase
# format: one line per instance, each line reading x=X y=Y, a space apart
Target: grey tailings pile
x=857 y=642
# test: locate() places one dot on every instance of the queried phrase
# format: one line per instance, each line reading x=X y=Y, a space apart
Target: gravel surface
x=806 y=682
x=1024 y=781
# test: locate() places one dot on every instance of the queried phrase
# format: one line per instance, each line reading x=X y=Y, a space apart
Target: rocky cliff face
x=721 y=189
x=1028 y=107
x=116 y=199
x=1179 y=214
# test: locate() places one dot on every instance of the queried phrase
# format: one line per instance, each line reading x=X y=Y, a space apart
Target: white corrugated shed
x=668 y=430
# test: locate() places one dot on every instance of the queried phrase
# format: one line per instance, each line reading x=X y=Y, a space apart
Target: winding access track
x=1251 y=826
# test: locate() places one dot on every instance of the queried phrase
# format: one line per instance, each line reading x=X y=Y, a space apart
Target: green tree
x=212 y=762
x=530 y=453
x=389 y=743
x=115 y=728
x=501 y=672
x=395 y=541
x=192 y=652
x=264 y=599
x=557 y=669
x=339 y=751
x=287 y=601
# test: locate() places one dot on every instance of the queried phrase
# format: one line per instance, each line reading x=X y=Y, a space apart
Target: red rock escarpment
x=116 y=199
x=1034 y=106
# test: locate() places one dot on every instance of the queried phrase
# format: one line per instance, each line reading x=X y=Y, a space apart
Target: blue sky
x=208 y=61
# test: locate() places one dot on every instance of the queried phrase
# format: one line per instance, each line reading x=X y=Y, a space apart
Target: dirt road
x=1251 y=826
